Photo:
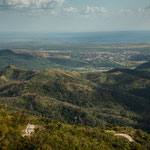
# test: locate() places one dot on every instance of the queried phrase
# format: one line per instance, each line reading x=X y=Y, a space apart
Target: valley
x=81 y=57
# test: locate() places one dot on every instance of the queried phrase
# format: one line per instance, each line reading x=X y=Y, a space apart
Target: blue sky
x=74 y=15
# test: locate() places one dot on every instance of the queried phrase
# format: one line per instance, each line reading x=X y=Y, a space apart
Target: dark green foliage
x=144 y=66
x=36 y=62
x=93 y=99
x=67 y=62
x=53 y=135
x=8 y=57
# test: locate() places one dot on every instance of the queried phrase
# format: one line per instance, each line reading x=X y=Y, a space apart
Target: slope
x=51 y=134
x=35 y=60
x=79 y=98
x=144 y=66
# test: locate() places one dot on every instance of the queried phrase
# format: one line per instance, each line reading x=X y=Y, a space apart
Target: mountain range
x=117 y=97
x=71 y=110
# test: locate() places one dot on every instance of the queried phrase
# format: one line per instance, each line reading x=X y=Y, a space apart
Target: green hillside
x=144 y=66
x=96 y=99
x=36 y=60
x=52 y=135
x=27 y=61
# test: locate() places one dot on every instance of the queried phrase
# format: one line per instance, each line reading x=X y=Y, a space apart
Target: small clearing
x=29 y=130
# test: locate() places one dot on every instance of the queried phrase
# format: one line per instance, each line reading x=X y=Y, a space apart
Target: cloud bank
x=87 y=11
x=71 y=10
x=95 y=10
x=30 y=4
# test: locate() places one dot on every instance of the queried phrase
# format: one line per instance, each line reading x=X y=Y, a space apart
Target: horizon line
x=73 y=31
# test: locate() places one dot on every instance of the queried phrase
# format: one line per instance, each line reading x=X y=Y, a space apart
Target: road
x=126 y=136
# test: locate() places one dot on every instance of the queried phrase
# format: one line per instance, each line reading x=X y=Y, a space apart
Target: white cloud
x=140 y=12
x=71 y=10
x=30 y=4
x=95 y=10
x=87 y=11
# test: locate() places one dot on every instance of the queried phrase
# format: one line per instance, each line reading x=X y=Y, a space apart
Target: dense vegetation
x=74 y=110
x=119 y=97
x=53 y=135
x=144 y=66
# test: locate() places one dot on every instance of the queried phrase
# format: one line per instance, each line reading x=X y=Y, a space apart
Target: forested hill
x=144 y=66
x=37 y=60
x=51 y=134
x=118 y=97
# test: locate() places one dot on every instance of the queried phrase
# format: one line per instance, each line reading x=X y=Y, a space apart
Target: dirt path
x=29 y=130
x=126 y=136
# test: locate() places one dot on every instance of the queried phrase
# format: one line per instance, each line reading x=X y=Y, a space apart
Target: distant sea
x=114 y=36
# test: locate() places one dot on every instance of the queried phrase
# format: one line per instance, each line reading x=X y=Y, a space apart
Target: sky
x=74 y=15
